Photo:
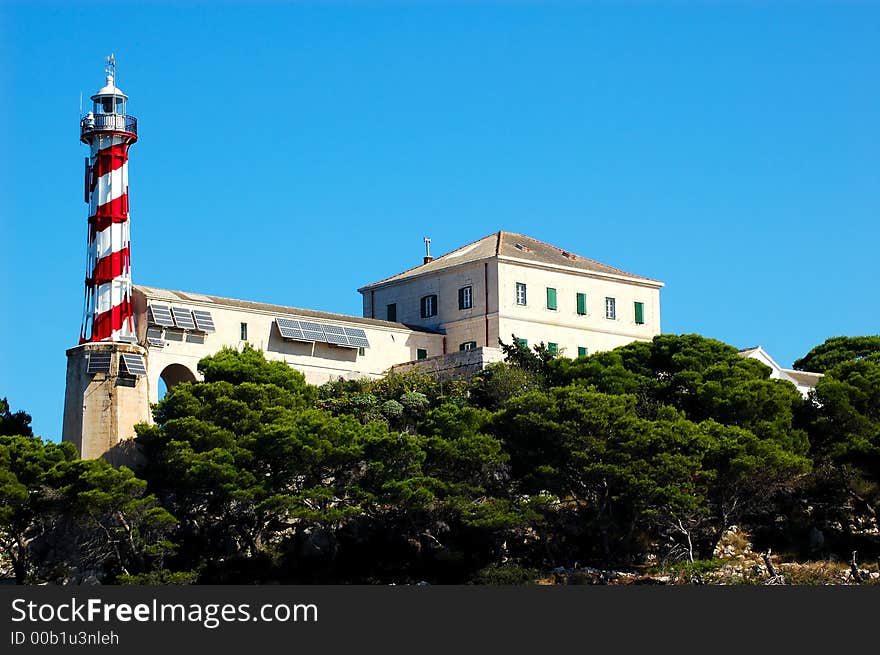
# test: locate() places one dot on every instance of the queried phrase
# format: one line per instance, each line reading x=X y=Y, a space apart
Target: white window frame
x=610 y=308
x=521 y=294
x=467 y=297
x=429 y=302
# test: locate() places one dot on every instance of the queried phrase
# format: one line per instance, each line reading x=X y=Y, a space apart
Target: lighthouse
x=106 y=393
x=109 y=132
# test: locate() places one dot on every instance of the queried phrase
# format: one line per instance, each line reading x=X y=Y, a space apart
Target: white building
x=505 y=284
x=803 y=380
x=180 y=328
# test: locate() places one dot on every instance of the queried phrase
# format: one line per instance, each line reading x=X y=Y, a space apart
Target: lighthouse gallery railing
x=108 y=122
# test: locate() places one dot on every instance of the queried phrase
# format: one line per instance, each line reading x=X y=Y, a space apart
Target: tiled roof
x=187 y=297
x=509 y=245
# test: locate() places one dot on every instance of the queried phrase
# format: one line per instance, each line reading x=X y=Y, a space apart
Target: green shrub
x=162 y=577
x=506 y=574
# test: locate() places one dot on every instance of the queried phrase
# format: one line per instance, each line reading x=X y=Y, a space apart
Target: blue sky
x=291 y=152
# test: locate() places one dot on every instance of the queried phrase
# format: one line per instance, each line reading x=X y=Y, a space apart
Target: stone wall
x=458 y=364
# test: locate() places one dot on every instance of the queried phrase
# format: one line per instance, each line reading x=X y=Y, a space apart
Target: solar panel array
x=134 y=363
x=183 y=318
x=195 y=320
x=128 y=339
x=155 y=337
x=161 y=315
x=99 y=362
x=203 y=319
x=310 y=331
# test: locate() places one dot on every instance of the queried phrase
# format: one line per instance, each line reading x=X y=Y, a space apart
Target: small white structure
x=803 y=380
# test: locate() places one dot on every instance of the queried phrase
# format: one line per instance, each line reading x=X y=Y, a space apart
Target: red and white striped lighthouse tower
x=107 y=391
x=109 y=132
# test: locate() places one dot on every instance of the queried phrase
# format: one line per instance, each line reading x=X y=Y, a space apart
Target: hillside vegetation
x=670 y=461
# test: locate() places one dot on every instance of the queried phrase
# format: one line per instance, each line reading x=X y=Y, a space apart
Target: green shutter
x=582 y=351
x=551 y=298
x=640 y=313
x=582 y=303
x=553 y=347
x=523 y=342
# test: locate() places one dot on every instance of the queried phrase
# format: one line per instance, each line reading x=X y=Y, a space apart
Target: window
x=520 y=293
x=553 y=348
x=582 y=351
x=391 y=312
x=468 y=345
x=362 y=351
x=244 y=331
x=611 y=308
x=465 y=298
x=421 y=353
x=640 y=313
x=429 y=306
x=582 y=304
x=522 y=342
x=551 y=298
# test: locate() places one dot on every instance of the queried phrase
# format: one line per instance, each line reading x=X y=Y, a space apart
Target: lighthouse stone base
x=102 y=408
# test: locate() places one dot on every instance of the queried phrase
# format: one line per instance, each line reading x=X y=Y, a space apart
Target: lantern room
x=109 y=99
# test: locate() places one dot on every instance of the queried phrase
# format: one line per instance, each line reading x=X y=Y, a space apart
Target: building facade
x=179 y=328
x=509 y=284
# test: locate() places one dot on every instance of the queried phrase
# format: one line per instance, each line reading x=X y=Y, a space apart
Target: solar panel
x=357 y=337
x=127 y=339
x=99 y=362
x=203 y=319
x=134 y=363
x=183 y=318
x=335 y=334
x=312 y=331
x=155 y=338
x=290 y=329
x=161 y=315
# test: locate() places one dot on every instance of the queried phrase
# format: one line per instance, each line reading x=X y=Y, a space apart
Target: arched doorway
x=172 y=375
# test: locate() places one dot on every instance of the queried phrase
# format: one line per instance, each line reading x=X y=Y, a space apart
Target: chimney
x=427 y=257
